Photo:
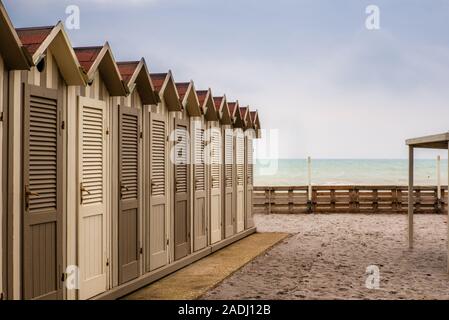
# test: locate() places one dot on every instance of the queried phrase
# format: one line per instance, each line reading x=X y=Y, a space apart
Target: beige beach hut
x=161 y=199
x=438 y=141
x=49 y=92
x=198 y=185
x=213 y=160
x=221 y=104
x=142 y=97
x=248 y=165
x=90 y=207
x=239 y=166
x=13 y=57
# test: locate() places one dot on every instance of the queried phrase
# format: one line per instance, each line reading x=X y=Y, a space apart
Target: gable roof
x=234 y=110
x=11 y=49
x=100 y=58
x=256 y=123
x=38 y=39
x=244 y=113
x=221 y=105
x=164 y=86
x=188 y=98
x=207 y=105
x=135 y=74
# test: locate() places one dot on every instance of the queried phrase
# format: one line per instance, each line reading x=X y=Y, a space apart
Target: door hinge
x=63 y=277
x=107 y=131
x=141 y=135
x=141 y=250
x=62 y=125
x=1 y=116
x=2 y=296
x=168 y=242
x=168 y=138
x=107 y=262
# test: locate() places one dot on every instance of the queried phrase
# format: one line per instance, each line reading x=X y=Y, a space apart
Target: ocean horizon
x=289 y=172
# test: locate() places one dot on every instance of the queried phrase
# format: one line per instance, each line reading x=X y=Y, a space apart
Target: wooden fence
x=347 y=199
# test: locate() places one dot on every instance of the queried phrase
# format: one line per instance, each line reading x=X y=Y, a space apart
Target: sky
x=323 y=83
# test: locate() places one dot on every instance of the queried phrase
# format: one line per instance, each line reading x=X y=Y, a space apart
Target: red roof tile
x=202 y=94
x=127 y=69
x=232 y=106
x=158 y=80
x=32 y=38
x=243 y=111
x=87 y=56
x=182 y=89
x=217 y=102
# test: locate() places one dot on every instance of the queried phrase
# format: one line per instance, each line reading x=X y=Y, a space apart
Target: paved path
x=195 y=280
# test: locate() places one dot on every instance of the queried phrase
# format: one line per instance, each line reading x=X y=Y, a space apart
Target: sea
x=293 y=172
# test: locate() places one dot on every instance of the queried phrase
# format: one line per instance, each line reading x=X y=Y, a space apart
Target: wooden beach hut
x=239 y=166
x=198 y=184
x=213 y=161
x=13 y=58
x=48 y=94
x=248 y=165
x=162 y=121
x=438 y=141
x=227 y=133
x=141 y=98
x=90 y=206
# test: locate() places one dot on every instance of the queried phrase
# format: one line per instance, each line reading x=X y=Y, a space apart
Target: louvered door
x=129 y=194
x=229 y=182
x=215 y=185
x=240 y=178
x=157 y=217
x=199 y=201
x=42 y=183
x=249 y=164
x=3 y=177
x=181 y=189
x=92 y=215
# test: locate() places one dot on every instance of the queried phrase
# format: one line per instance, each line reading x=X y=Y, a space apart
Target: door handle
x=28 y=194
x=82 y=190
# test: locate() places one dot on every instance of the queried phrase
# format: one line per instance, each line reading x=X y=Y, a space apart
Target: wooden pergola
x=438 y=141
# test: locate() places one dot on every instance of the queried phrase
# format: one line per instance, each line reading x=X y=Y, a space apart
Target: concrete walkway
x=195 y=280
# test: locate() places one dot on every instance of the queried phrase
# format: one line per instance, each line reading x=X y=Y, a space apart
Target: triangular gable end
x=102 y=59
x=135 y=74
x=234 y=111
x=188 y=98
x=208 y=105
x=221 y=105
x=15 y=56
x=165 y=86
x=38 y=40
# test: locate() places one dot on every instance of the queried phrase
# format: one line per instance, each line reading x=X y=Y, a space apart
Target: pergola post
x=410 y=196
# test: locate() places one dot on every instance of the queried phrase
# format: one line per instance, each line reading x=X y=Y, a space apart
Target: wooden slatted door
x=229 y=182
x=129 y=194
x=3 y=178
x=200 y=229
x=181 y=188
x=249 y=163
x=42 y=175
x=215 y=185
x=92 y=215
x=157 y=217
x=240 y=178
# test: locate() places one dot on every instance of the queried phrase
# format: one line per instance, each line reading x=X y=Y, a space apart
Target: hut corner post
x=410 y=196
x=447 y=205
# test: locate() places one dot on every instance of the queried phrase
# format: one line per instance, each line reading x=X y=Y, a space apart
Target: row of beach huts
x=112 y=176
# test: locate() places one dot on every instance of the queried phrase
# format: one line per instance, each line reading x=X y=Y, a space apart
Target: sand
x=327 y=255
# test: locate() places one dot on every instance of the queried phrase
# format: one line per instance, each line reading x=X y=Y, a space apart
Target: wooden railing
x=347 y=199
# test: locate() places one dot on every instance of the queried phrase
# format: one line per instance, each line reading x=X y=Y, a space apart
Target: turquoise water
x=341 y=172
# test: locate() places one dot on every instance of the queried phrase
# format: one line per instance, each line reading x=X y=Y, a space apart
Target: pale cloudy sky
x=333 y=88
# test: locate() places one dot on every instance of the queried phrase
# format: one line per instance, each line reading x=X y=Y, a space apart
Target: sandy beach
x=326 y=257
